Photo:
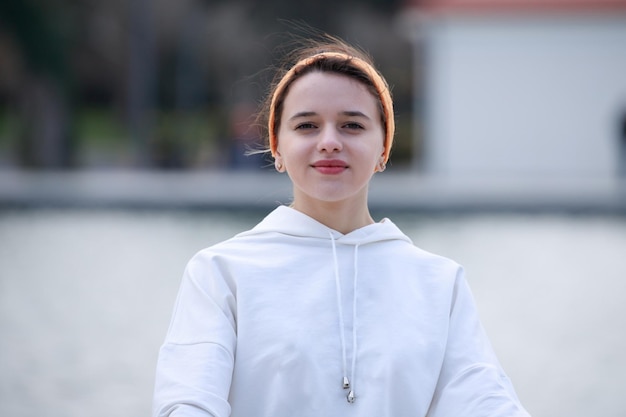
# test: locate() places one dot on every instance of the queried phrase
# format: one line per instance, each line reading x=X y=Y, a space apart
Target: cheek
x=286 y=149
x=279 y=142
x=378 y=149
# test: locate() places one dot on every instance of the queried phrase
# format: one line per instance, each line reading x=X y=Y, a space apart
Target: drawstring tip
x=351 y=397
x=346 y=382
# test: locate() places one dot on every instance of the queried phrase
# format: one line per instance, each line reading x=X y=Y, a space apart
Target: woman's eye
x=304 y=126
x=353 y=125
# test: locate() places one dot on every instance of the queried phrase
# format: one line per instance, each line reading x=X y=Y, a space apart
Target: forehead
x=326 y=89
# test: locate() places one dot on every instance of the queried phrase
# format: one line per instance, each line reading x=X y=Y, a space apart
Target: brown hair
x=333 y=56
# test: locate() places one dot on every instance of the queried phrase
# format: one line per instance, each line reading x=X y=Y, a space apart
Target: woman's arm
x=195 y=364
x=472 y=382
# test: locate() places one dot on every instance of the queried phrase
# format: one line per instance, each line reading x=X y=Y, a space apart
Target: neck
x=342 y=216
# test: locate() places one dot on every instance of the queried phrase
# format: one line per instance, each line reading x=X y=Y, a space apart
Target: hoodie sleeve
x=195 y=364
x=472 y=382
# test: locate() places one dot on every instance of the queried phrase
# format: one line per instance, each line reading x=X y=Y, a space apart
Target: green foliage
x=102 y=128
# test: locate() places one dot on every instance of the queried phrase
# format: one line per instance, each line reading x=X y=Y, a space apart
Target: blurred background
x=161 y=84
x=123 y=132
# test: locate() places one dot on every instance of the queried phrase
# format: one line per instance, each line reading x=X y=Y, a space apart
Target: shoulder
x=412 y=267
x=239 y=253
x=226 y=248
x=407 y=251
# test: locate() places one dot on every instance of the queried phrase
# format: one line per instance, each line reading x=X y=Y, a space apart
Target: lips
x=330 y=166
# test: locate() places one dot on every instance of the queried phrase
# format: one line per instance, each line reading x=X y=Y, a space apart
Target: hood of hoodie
x=288 y=221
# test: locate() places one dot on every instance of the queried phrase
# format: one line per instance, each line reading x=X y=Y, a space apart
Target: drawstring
x=354 y=350
x=347 y=383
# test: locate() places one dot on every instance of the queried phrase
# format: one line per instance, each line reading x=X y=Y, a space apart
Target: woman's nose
x=329 y=141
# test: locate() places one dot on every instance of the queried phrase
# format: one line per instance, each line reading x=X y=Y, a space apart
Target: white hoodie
x=272 y=322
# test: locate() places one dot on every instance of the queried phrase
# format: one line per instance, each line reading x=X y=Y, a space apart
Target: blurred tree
x=44 y=98
x=142 y=77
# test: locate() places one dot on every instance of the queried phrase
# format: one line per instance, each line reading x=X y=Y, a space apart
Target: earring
x=382 y=166
x=279 y=166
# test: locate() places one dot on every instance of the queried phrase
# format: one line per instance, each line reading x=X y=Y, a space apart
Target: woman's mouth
x=330 y=166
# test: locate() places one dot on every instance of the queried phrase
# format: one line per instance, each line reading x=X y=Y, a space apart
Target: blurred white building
x=521 y=88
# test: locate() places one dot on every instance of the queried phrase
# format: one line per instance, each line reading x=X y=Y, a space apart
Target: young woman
x=319 y=310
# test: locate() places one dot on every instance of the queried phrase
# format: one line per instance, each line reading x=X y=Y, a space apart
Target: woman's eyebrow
x=354 y=113
x=303 y=114
x=349 y=113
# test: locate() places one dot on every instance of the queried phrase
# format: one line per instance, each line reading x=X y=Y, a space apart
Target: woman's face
x=330 y=139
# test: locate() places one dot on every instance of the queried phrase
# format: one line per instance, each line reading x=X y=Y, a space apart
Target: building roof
x=516 y=6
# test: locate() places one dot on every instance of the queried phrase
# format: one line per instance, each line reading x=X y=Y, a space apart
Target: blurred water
x=86 y=296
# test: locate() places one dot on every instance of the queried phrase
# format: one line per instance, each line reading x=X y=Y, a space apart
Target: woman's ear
x=381 y=166
x=278 y=162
